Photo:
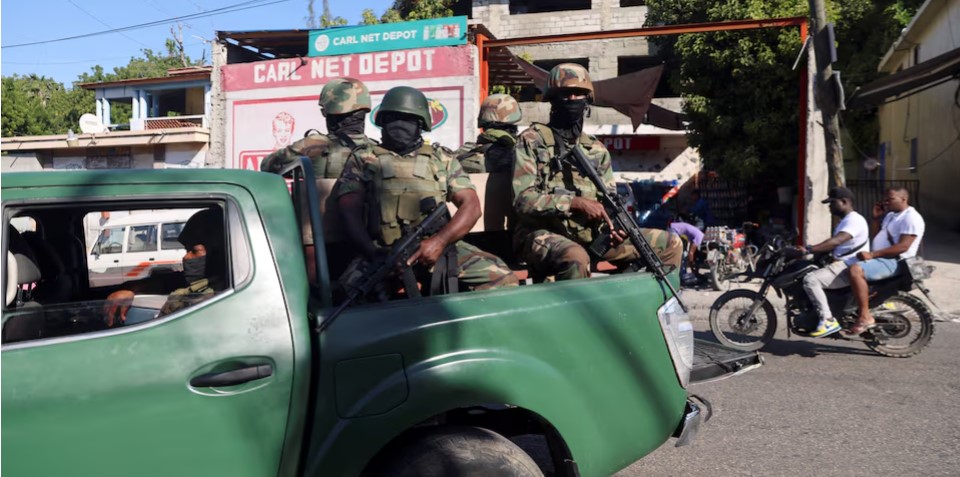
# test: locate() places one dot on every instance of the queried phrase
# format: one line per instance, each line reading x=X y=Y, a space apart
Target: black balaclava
x=348 y=123
x=401 y=133
x=194 y=269
x=566 y=118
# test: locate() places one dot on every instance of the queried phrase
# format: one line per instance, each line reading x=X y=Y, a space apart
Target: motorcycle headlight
x=678 y=333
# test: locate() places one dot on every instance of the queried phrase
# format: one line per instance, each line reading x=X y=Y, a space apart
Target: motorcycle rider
x=851 y=236
x=899 y=238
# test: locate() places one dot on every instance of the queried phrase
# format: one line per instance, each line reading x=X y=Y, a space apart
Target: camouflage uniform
x=196 y=292
x=395 y=185
x=548 y=236
x=493 y=151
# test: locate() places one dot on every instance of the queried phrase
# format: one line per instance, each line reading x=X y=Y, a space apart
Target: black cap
x=838 y=193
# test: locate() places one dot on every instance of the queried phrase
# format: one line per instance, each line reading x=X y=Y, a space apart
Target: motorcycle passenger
x=849 y=237
x=901 y=231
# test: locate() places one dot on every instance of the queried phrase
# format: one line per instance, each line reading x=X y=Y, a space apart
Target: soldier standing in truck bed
x=494 y=149
x=381 y=188
x=558 y=214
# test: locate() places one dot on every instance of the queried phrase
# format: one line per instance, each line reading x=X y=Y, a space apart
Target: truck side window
x=142 y=238
x=110 y=241
x=51 y=297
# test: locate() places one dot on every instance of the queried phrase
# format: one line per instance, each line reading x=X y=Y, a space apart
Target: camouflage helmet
x=568 y=76
x=404 y=99
x=499 y=108
x=344 y=95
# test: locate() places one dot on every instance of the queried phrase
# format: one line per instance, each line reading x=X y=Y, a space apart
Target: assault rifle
x=622 y=220
x=396 y=259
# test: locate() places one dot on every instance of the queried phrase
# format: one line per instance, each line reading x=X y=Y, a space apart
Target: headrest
x=27 y=269
x=46 y=255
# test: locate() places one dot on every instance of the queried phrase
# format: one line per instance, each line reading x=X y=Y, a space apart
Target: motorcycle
x=745 y=319
x=726 y=254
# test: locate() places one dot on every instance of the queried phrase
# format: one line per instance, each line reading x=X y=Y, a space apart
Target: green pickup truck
x=243 y=383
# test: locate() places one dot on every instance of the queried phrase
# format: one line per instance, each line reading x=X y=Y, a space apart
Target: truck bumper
x=697 y=411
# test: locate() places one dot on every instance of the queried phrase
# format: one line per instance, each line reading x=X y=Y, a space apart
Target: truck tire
x=455 y=451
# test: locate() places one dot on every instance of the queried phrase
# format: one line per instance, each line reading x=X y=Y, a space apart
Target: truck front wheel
x=455 y=451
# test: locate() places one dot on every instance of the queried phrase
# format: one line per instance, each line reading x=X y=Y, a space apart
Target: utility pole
x=826 y=92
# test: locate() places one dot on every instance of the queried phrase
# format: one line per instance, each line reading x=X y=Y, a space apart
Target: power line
x=217 y=11
x=105 y=23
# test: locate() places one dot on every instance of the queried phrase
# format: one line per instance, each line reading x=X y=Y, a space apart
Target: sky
x=27 y=21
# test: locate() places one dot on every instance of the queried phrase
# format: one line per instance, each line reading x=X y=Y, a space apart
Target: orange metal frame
x=484 y=44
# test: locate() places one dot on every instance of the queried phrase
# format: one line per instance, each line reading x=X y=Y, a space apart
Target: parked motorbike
x=745 y=319
x=726 y=254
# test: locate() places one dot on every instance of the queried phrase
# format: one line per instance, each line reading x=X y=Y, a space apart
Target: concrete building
x=650 y=152
x=919 y=110
x=168 y=128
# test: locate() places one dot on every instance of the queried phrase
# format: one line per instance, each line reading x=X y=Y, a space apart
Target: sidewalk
x=941 y=248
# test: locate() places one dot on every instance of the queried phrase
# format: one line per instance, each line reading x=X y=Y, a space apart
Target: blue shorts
x=879 y=268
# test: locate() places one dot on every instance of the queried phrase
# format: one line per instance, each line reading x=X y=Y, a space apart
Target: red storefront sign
x=630 y=142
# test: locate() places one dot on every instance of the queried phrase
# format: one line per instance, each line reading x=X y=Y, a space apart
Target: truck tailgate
x=713 y=362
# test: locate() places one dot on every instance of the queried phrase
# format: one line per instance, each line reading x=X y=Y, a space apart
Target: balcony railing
x=171 y=122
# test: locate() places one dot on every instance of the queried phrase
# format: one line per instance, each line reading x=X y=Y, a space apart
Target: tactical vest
x=565 y=180
x=403 y=181
x=339 y=152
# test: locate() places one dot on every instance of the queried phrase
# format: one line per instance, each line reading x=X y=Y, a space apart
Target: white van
x=137 y=245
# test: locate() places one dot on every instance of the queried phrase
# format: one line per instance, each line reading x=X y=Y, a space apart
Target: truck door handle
x=233 y=377
x=151 y=259
x=116 y=261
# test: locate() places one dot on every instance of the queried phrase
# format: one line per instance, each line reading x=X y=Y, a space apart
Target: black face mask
x=194 y=268
x=401 y=134
x=566 y=117
x=350 y=123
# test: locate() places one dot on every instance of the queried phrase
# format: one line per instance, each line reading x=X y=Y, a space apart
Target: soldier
x=344 y=102
x=204 y=268
x=493 y=151
x=390 y=180
x=557 y=209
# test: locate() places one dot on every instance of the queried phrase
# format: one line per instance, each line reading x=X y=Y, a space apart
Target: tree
x=408 y=10
x=37 y=105
x=741 y=94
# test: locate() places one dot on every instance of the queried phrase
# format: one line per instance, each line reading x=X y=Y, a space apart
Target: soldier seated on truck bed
x=344 y=102
x=494 y=149
x=204 y=266
x=390 y=181
x=558 y=213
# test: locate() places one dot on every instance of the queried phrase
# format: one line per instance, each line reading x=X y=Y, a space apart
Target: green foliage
x=36 y=105
x=741 y=94
x=408 y=10
x=327 y=21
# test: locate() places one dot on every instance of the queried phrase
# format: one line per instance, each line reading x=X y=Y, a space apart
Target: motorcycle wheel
x=716 y=275
x=904 y=326
x=731 y=325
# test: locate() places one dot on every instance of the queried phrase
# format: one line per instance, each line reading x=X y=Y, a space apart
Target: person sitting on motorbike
x=850 y=236
x=899 y=238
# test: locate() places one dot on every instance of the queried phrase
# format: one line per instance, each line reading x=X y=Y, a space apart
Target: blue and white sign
x=450 y=31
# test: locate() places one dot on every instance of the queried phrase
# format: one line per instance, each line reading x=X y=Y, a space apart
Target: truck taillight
x=678 y=333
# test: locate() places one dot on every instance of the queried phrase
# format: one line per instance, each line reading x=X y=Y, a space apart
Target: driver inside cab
x=204 y=268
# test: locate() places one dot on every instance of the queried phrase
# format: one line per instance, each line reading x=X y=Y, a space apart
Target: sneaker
x=826 y=327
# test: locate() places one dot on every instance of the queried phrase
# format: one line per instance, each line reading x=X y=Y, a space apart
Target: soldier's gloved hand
x=428 y=253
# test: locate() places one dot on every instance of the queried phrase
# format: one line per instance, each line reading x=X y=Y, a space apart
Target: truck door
x=202 y=390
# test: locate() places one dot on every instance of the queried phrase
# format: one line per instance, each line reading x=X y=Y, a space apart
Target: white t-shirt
x=907 y=222
x=855 y=225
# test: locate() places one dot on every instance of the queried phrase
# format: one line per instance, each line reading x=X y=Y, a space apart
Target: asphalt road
x=825 y=408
